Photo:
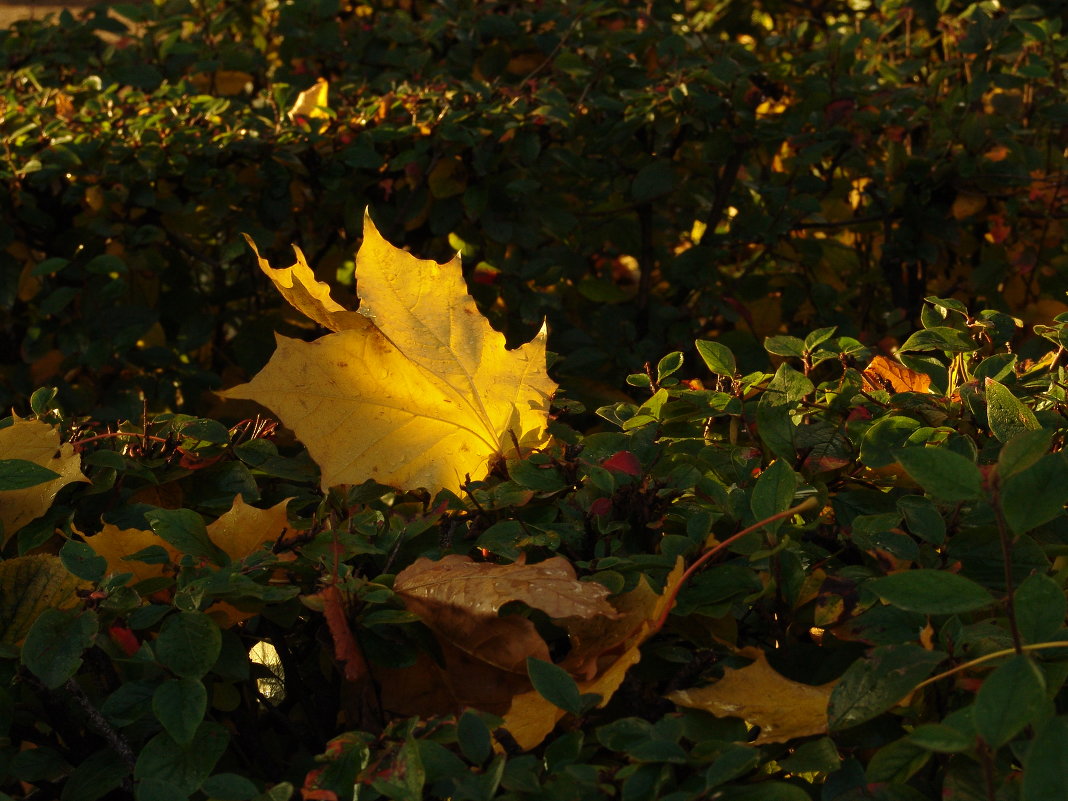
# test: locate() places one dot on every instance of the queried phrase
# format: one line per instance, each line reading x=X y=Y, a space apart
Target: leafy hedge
x=874 y=546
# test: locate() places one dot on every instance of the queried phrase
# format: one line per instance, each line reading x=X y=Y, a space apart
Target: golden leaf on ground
x=416 y=389
x=602 y=653
x=887 y=374
x=312 y=102
x=39 y=443
x=783 y=709
x=28 y=586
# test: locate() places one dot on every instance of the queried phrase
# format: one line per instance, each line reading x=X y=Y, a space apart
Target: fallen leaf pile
x=415 y=389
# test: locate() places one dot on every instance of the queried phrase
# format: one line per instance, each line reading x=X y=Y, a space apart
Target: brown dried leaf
x=783 y=709
x=482 y=588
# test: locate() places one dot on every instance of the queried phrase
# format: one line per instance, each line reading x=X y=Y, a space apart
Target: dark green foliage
x=779 y=194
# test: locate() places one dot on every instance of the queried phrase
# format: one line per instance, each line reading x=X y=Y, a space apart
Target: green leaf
x=819 y=336
x=473 y=737
x=1006 y=414
x=555 y=685
x=923 y=518
x=652 y=181
x=946 y=475
x=17 y=474
x=943 y=338
x=1044 y=776
x=183 y=767
x=1036 y=494
x=188 y=644
x=53 y=648
x=1010 y=698
x=1040 y=607
x=180 y=704
x=95 y=777
x=784 y=346
x=884 y=437
x=229 y=787
x=185 y=530
x=871 y=686
x=668 y=365
x=733 y=761
x=815 y=755
x=718 y=358
x=1023 y=450
x=897 y=762
x=940 y=738
x=932 y=592
x=773 y=492
x=83 y=561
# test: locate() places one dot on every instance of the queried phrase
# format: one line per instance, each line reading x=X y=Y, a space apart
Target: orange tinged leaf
x=783 y=709
x=116 y=544
x=244 y=529
x=416 y=389
x=39 y=443
x=887 y=374
x=312 y=102
x=346 y=650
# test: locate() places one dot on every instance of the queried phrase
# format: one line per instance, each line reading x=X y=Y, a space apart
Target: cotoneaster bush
x=892 y=626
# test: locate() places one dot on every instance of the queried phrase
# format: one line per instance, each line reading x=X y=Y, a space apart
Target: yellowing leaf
x=244 y=529
x=416 y=390
x=312 y=102
x=888 y=374
x=603 y=651
x=28 y=586
x=783 y=709
x=35 y=442
x=116 y=544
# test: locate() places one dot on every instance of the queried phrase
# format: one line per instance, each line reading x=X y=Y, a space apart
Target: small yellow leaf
x=783 y=709
x=312 y=102
x=28 y=586
x=35 y=442
x=888 y=374
x=115 y=544
x=416 y=390
x=244 y=529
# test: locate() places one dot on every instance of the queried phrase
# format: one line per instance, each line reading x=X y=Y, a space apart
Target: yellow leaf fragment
x=312 y=102
x=244 y=529
x=417 y=391
x=35 y=442
x=28 y=586
x=116 y=544
x=783 y=709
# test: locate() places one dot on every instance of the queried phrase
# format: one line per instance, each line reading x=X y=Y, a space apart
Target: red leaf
x=346 y=649
x=124 y=638
x=623 y=462
x=601 y=506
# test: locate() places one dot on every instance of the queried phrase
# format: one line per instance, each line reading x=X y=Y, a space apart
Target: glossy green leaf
x=188 y=644
x=1041 y=608
x=555 y=685
x=185 y=530
x=182 y=767
x=1023 y=450
x=946 y=475
x=717 y=357
x=943 y=338
x=180 y=704
x=17 y=474
x=884 y=437
x=773 y=492
x=1011 y=697
x=1035 y=495
x=1006 y=414
x=873 y=685
x=932 y=592
x=54 y=647
x=1044 y=774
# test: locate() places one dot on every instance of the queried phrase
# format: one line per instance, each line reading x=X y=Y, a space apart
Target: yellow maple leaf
x=782 y=708
x=415 y=389
x=312 y=102
x=37 y=442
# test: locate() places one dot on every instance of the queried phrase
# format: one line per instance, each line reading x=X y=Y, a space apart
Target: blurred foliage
x=637 y=173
